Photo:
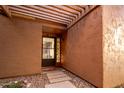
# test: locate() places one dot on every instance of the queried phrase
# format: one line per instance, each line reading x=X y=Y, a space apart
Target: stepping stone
x=59 y=79
x=54 y=73
x=65 y=84
x=56 y=76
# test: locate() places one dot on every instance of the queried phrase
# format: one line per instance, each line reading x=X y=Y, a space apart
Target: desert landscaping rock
x=40 y=80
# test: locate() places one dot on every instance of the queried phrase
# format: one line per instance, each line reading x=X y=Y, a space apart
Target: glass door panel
x=48 y=51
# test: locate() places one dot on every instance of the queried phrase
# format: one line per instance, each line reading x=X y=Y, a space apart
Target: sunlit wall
x=113 y=45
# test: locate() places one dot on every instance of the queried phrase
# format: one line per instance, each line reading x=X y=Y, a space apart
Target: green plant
x=19 y=84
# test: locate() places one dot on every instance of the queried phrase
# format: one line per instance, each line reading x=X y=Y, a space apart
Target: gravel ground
x=39 y=81
x=33 y=81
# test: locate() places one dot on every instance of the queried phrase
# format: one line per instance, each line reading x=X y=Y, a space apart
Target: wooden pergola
x=63 y=16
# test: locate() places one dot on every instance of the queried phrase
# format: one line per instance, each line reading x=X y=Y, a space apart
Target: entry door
x=48 y=51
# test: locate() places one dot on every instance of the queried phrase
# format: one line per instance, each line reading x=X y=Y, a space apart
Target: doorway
x=49 y=56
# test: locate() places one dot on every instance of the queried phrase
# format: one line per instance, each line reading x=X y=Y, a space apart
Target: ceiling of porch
x=64 y=15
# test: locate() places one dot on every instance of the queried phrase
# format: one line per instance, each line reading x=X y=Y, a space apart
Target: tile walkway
x=51 y=78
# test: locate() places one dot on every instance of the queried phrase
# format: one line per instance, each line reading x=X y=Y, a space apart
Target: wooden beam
x=73 y=7
x=83 y=6
x=36 y=16
x=65 y=9
x=21 y=11
x=68 y=9
x=55 y=10
x=43 y=13
x=51 y=12
x=42 y=21
x=58 y=10
x=22 y=16
x=82 y=16
x=6 y=10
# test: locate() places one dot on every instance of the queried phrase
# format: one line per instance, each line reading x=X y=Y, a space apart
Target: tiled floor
x=51 y=78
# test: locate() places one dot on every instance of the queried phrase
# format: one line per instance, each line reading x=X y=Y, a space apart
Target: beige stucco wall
x=82 y=46
x=20 y=47
x=113 y=45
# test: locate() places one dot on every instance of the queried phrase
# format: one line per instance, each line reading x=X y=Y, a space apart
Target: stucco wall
x=20 y=47
x=113 y=45
x=82 y=47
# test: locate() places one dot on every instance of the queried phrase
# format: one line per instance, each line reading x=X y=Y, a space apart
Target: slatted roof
x=62 y=14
